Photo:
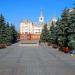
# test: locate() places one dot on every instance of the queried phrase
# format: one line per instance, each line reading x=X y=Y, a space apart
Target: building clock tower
x=41 y=17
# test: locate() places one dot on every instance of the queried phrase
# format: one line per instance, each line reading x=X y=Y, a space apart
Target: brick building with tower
x=30 y=30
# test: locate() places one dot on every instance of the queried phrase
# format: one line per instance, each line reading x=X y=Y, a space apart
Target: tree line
x=63 y=33
x=8 y=33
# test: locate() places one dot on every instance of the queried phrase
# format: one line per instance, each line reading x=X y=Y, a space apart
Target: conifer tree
x=13 y=34
x=64 y=27
x=53 y=35
x=2 y=29
x=71 y=29
x=8 y=34
x=45 y=34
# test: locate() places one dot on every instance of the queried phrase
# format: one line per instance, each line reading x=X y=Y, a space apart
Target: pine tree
x=13 y=34
x=53 y=33
x=71 y=29
x=8 y=34
x=45 y=34
x=2 y=29
x=63 y=27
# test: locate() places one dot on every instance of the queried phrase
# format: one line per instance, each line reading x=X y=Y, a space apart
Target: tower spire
x=41 y=13
x=41 y=17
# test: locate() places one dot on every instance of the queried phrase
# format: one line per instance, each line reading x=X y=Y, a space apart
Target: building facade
x=30 y=30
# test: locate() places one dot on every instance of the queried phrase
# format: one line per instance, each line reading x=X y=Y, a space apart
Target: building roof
x=26 y=21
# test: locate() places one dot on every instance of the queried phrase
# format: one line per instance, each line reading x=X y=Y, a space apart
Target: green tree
x=45 y=34
x=64 y=32
x=53 y=33
x=13 y=34
x=2 y=29
x=62 y=26
x=71 y=29
x=8 y=33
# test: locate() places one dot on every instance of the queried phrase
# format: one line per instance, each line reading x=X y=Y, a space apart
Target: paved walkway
x=35 y=60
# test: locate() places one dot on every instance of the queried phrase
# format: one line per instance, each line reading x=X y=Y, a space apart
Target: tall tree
x=71 y=29
x=45 y=34
x=63 y=27
x=53 y=36
x=13 y=34
x=2 y=29
x=8 y=33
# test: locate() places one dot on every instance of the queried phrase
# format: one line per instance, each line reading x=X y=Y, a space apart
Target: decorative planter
x=66 y=49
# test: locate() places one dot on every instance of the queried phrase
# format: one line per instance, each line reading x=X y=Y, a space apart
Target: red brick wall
x=23 y=37
x=29 y=36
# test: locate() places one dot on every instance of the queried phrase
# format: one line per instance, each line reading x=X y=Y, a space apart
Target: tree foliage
x=8 y=33
x=45 y=34
x=53 y=35
x=64 y=32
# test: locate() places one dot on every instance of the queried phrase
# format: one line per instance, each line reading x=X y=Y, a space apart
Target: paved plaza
x=35 y=60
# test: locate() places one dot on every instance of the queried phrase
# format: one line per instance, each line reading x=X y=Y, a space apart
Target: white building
x=33 y=30
x=28 y=27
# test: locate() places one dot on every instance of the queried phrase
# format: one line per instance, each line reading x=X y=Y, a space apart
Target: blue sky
x=17 y=10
